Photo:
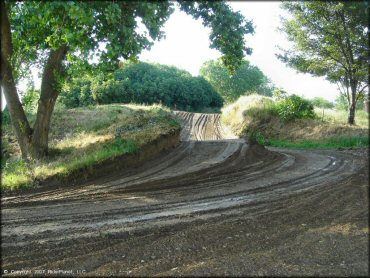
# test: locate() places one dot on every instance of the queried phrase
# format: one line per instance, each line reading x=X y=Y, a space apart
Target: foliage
x=256 y=137
x=16 y=174
x=5 y=117
x=330 y=38
x=62 y=37
x=84 y=26
x=322 y=103
x=256 y=118
x=78 y=92
x=295 y=107
x=247 y=108
x=30 y=100
x=245 y=80
x=227 y=29
x=279 y=93
x=341 y=103
x=144 y=83
x=325 y=143
x=339 y=116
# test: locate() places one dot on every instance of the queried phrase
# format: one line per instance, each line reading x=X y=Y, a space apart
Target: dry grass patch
x=256 y=115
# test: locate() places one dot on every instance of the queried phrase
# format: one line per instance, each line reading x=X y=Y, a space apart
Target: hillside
x=83 y=137
x=258 y=116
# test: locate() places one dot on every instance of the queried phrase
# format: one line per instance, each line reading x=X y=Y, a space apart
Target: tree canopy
x=58 y=36
x=247 y=79
x=330 y=38
x=144 y=83
x=322 y=102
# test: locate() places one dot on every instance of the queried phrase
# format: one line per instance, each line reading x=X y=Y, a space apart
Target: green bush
x=144 y=83
x=77 y=93
x=294 y=107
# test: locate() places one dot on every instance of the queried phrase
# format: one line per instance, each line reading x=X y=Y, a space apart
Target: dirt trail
x=213 y=206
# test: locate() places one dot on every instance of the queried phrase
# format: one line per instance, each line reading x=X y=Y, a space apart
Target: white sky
x=186 y=46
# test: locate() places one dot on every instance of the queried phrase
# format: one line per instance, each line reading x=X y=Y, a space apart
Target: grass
x=254 y=116
x=340 y=117
x=329 y=143
x=83 y=137
x=238 y=114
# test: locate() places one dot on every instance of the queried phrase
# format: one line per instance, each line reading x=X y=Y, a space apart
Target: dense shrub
x=295 y=107
x=77 y=93
x=145 y=83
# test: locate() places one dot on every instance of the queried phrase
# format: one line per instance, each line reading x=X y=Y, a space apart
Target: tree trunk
x=352 y=104
x=351 y=114
x=19 y=120
x=46 y=103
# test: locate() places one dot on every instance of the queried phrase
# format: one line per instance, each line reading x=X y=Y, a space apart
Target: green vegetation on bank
x=329 y=143
x=83 y=137
x=293 y=122
x=144 y=83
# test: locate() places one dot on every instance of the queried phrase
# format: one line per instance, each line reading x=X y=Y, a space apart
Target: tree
x=141 y=82
x=330 y=39
x=322 y=102
x=55 y=35
x=341 y=103
x=247 y=79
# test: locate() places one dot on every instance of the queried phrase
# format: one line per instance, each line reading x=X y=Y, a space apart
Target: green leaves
x=245 y=80
x=330 y=39
x=294 y=107
x=144 y=83
x=85 y=26
x=227 y=29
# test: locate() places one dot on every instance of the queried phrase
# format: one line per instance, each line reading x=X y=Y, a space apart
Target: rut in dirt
x=210 y=173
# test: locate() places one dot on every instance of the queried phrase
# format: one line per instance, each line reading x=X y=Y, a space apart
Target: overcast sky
x=187 y=46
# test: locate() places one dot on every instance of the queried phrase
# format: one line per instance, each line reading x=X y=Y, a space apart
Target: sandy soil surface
x=213 y=206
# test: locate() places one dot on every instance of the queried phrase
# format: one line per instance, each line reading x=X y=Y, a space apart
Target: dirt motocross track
x=212 y=206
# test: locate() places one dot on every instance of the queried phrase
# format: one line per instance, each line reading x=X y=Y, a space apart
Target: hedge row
x=144 y=83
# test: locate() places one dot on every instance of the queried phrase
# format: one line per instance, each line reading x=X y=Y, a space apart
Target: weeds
x=258 y=118
x=329 y=143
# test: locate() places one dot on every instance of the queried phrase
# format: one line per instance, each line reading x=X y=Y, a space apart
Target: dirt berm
x=214 y=205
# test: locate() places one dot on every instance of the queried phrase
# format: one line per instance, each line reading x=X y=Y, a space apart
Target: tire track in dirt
x=209 y=174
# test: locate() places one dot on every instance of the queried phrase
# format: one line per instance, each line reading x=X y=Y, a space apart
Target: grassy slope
x=82 y=137
x=329 y=130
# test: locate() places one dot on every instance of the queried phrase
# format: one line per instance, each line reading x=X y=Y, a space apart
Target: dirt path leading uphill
x=213 y=206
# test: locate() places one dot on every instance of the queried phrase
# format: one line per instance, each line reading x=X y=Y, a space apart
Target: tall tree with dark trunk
x=20 y=124
x=331 y=39
x=57 y=34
